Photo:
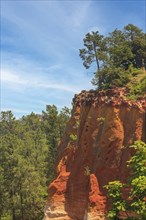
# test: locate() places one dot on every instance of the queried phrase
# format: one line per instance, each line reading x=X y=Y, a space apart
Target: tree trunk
x=12 y=200
x=21 y=200
x=97 y=61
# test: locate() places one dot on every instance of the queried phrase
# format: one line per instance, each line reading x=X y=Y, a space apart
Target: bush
x=137 y=84
x=110 y=77
x=137 y=184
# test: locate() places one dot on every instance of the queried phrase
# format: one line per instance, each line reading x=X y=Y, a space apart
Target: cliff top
x=115 y=96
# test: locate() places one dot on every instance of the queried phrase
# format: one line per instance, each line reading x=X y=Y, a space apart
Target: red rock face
x=94 y=151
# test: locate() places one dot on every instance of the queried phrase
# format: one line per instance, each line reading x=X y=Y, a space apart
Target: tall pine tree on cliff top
x=94 y=49
x=114 y=55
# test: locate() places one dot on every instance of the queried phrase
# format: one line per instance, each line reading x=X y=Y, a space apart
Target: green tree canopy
x=115 y=55
x=94 y=49
x=28 y=149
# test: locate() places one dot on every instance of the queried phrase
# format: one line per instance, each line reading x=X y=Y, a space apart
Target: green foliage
x=87 y=171
x=110 y=77
x=6 y=217
x=136 y=42
x=22 y=158
x=114 y=189
x=138 y=179
x=77 y=124
x=138 y=161
x=137 y=84
x=137 y=184
x=101 y=120
x=94 y=50
x=114 y=192
x=73 y=137
x=119 y=52
x=54 y=124
x=27 y=148
x=114 y=56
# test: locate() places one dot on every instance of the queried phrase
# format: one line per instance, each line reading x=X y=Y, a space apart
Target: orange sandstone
x=105 y=124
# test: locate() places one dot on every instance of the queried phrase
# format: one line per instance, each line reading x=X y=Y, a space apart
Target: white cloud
x=9 y=77
x=31 y=82
x=21 y=73
x=43 y=38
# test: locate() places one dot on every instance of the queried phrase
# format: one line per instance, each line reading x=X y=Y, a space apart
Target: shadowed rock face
x=94 y=151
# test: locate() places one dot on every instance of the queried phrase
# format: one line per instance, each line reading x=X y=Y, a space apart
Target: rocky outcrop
x=94 y=151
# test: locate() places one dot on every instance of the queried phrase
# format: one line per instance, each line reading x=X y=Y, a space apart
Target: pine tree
x=94 y=50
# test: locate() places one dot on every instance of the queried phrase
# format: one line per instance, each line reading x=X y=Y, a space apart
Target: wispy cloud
x=40 y=43
x=32 y=82
x=24 y=73
x=9 y=77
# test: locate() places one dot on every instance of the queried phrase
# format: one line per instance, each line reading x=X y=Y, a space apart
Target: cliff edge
x=94 y=151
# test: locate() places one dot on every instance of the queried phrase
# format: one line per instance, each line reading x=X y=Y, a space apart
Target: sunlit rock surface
x=94 y=151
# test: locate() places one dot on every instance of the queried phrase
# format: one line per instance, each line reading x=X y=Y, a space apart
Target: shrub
x=137 y=184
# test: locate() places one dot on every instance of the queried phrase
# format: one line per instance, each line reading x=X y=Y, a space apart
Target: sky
x=40 y=42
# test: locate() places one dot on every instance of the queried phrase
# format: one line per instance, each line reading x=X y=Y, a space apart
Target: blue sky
x=40 y=42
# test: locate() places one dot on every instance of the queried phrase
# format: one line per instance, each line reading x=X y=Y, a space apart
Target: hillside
x=94 y=151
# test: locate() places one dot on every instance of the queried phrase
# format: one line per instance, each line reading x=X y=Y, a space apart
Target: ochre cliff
x=94 y=151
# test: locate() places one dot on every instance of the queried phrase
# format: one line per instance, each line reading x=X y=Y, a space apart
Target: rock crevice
x=94 y=151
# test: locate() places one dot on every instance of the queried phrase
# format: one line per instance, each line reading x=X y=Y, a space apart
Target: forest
x=28 y=151
x=28 y=146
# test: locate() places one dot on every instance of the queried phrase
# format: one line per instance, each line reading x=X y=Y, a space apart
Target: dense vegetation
x=28 y=148
x=120 y=58
x=134 y=206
